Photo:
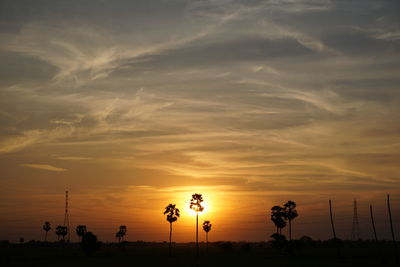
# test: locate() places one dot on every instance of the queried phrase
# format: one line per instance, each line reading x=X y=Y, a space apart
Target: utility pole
x=391 y=230
x=330 y=213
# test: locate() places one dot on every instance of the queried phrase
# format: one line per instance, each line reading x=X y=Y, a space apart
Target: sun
x=193 y=213
x=207 y=204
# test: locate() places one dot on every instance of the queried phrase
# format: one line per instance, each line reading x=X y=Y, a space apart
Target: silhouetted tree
x=195 y=204
x=61 y=231
x=278 y=218
x=121 y=233
x=172 y=215
x=46 y=228
x=290 y=213
x=207 y=228
x=81 y=231
x=89 y=243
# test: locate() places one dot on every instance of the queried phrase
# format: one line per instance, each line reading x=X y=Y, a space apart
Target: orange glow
x=193 y=212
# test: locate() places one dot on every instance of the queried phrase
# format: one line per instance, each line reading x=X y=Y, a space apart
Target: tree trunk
x=197 y=235
x=170 y=238
x=290 y=230
x=391 y=230
x=45 y=237
x=207 y=241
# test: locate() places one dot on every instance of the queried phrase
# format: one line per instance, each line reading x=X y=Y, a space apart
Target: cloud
x=12 y=144
x=84 y=53
x=77 y=158
x=33 y=137
x=44 y=167
x=204 y=103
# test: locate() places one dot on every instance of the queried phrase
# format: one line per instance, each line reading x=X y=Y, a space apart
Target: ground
x=218 y=254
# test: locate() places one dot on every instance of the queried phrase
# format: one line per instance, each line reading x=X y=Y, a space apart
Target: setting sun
x=193 y=212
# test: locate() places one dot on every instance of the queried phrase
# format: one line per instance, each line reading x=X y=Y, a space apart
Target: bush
x=279 y=243
x=89 y=243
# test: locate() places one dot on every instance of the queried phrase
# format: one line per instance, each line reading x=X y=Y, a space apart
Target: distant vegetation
x=121 y=233
x=46 y=228
x=207 y=228
x=81 y=231
x=61 y=231
x=280 y=215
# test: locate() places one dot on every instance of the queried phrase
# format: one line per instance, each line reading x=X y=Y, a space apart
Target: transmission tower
x=355 y=229
x=66 y=216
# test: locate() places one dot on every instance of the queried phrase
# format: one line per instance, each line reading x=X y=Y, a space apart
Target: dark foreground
x=219 y=254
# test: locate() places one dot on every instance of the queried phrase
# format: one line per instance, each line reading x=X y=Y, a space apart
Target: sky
x=132 y=105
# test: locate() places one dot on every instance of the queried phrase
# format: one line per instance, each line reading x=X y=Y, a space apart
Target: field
x=219 y=254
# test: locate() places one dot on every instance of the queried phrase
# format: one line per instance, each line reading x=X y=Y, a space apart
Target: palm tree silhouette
x=207 y=228
x=172 y=215
x=195 y=204
x=119 y=236
x=61 y=231
x=81 y=231
x=290 y=214
x=46 y=228
x=277 y=217
x=121 y=233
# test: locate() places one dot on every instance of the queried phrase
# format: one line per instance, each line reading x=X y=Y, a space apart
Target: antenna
x=66 y=215
x=355 y=229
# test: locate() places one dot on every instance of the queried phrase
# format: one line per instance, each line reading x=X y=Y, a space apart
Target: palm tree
x=46 y=228
x=119 y=236
x=61 y=231
x=195 y=204
x=172 y=215
x=207 y=228
x=290 y=214
x=121 y=233
x=81 y=231
x=277 y=217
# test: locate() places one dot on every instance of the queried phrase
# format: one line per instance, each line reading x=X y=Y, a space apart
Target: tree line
x=281 y=216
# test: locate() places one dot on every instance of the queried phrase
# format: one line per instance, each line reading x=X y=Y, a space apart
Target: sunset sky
x=132 y=105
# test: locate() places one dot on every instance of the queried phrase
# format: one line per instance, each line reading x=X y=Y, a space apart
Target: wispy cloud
x=77 y=158
x=45 y=167
x=32 y=137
